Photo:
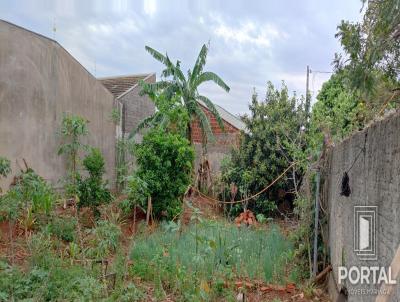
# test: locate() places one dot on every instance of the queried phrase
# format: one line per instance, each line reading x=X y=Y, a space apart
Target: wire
x=251 y=197
x=316 y=71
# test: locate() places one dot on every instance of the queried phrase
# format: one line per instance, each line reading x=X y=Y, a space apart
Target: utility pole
x=308 y=96
x=316 y=221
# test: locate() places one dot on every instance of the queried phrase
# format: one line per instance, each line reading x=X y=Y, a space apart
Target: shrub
x=165 y=162
x=58 y=282
x=93 y=191
x=30 y=192
x=5 y=166
x=94 y=163
x=106 y=239
x=63 y=228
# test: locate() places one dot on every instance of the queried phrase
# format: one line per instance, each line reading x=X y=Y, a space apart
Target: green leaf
x=210 y=76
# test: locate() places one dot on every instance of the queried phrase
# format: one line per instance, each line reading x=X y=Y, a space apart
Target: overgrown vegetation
x=275 y=139
x=31 y=195
x=199 y=263
x=64 y=259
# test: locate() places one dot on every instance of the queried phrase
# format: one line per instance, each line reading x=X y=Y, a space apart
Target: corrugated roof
x=228 y=117
x=121 y=84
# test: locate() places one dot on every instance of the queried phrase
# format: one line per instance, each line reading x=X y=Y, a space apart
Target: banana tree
x=174 y=84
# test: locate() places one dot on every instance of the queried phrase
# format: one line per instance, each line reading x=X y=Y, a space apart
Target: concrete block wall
x=39 y=81
x=136 y=107
x=372 y=159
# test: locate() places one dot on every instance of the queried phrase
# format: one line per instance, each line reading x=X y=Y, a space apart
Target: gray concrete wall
x=373 y=160
x=136 y=107
x=39 y=81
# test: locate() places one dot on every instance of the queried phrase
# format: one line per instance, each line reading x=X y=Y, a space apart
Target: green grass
x=211 y=252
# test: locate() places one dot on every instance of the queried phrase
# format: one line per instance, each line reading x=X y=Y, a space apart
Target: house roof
x=228 y=117
x=120 y=85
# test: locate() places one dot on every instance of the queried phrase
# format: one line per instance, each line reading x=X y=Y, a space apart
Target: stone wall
x=39 y=81
x=372 y=159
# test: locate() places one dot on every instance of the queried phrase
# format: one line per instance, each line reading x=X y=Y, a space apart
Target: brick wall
x=224 y=141
x=217 y=131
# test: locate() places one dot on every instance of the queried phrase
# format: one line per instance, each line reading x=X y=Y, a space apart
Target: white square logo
x=365 y=232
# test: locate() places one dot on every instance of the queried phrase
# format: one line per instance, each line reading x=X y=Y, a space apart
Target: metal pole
x=316 y=225
x=308 y=99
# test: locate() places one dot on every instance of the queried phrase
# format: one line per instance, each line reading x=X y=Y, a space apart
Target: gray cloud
x=252 y=42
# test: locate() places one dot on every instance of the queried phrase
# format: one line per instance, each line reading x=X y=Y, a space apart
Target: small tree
x=73 y=128
x=93 y=190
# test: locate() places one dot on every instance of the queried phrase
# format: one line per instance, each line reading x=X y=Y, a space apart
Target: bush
x=5 y=166
x=59 y=282
x=165 y=162
x=63 y=228
x=94 y=163
x=93 y=191
x=30 y=192
x=106 y=240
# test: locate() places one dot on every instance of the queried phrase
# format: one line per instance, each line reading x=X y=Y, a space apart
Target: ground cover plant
x=200 y=261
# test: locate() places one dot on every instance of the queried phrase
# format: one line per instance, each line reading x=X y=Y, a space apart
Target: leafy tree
x=165 y=162
x=175 y=84
x=372 y=48
x=338 y=111
x=274 y=140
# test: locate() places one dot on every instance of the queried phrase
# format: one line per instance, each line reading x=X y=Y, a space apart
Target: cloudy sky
x=252 y=42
